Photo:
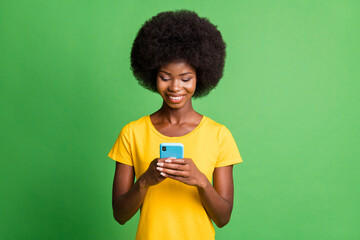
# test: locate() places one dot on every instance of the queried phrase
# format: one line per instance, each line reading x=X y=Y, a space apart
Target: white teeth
x=175 y=98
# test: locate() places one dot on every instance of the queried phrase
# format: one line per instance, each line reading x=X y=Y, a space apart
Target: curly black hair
x=179 y=35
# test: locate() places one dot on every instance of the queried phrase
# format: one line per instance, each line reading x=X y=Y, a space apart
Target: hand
x=152 y=176
x=183 y=170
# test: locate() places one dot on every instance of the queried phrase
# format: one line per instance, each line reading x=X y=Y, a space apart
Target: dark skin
x=176 y=83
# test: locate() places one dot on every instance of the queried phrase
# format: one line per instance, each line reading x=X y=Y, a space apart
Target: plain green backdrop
x=289 y=95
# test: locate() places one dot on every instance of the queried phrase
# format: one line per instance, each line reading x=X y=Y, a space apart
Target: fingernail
x=168 y=160
x=159 y=168
x=160 y=164
x=162 y=174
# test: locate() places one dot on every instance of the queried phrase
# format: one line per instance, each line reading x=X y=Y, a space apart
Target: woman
x=180 y=56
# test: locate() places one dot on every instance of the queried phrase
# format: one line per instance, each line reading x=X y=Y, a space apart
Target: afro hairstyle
x=179 y=35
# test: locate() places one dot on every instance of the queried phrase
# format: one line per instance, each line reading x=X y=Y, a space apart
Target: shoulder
x=215 y=126
x=134 y=126
x=141 y=122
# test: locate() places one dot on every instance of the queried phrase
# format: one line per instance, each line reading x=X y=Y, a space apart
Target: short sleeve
x=121 y=151
x=228 y=151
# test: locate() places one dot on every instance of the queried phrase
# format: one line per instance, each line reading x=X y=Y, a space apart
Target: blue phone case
x=171 y=150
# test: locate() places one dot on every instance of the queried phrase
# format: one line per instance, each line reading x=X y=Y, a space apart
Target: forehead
x=178 y=67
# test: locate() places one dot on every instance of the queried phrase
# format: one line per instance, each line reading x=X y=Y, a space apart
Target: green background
x=289 y=95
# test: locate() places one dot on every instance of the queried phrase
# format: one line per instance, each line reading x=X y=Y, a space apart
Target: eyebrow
x=182 y=74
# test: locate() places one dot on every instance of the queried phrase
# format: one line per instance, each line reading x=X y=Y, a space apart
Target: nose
x=175 y=85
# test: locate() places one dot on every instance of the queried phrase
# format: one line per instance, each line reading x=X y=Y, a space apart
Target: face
x=176 y=83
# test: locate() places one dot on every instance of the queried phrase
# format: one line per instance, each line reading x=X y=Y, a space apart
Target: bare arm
x=217 y=199
x=128 y=196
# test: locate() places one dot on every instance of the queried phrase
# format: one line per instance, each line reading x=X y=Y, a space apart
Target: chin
x=174 y=106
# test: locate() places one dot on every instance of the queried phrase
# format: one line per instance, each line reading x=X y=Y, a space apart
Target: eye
x=164 y=79
x=186 y=80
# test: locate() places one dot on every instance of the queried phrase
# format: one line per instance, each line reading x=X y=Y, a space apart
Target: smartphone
x=175 y=150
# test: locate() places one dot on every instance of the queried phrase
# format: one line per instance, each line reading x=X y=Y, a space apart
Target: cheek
x=159 y=86
x=191 y=86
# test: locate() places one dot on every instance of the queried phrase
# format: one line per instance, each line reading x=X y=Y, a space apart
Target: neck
x=177 y=115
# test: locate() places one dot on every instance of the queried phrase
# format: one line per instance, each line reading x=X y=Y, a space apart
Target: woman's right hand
x=152 y=176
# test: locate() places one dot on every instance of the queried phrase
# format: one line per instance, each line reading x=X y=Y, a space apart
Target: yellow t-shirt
x=171 y=209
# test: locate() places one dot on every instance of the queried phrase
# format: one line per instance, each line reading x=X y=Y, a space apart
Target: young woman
x=180 y=56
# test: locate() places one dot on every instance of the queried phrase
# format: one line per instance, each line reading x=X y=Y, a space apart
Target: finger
x=159 y=160
x=176 y=160
x=174 y=172
x=178 y=178
x=166 y=159
x=162 y=160
x=175 y=166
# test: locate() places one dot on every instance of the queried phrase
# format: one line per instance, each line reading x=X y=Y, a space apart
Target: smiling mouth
x=176 y=99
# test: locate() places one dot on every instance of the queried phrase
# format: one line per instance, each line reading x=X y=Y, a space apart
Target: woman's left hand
x=183 y=170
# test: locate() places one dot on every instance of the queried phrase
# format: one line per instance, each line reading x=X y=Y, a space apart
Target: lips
x=176 y=99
